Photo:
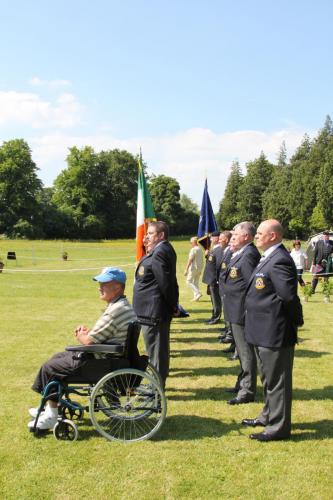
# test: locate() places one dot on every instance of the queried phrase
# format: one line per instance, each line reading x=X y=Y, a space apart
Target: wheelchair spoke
x=127 y=405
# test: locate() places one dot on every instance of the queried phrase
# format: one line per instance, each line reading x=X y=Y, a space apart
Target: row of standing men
x=258 y=294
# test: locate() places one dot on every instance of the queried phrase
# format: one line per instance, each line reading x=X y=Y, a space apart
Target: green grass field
x=202 y=451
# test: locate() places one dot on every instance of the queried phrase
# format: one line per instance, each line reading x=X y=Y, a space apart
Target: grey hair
x=246 y=227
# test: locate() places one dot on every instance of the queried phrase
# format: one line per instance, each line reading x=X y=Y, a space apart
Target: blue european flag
x=207 y=223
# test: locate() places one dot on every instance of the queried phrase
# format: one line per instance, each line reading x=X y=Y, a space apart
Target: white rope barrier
x=59 y=270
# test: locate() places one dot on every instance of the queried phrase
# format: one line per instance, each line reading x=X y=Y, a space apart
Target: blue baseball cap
x=111 y=274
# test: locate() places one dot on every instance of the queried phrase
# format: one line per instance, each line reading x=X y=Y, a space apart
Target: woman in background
x=301 y=260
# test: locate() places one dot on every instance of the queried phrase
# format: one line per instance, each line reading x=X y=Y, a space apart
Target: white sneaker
x=197 y=297
x=45 y=422
x=33 y=412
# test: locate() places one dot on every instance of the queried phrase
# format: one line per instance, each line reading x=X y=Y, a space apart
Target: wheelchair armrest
x=92 y=348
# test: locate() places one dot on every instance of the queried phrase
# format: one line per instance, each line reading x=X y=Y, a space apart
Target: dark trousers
x=247 y=380
x=315 y=279
x=216 y=300
x=275 y=368
x=299 y=277
x=157 y=342
x=67 y=366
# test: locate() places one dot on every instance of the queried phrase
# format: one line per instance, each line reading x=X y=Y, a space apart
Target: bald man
x=272 y=314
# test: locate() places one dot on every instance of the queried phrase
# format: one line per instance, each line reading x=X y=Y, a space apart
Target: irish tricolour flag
x=144 y=212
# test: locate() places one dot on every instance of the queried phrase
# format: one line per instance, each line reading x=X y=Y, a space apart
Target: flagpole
x=145 y=211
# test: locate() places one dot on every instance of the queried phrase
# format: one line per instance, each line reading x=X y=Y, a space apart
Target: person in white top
x=194 y=267
x=301 y=260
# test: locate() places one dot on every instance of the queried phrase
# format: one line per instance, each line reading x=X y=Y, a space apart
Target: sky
x=196 y=84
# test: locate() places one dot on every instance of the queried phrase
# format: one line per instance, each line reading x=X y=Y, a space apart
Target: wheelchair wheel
x=127 y=405
x=65 y=430
x=72 y=413
x=154 y=373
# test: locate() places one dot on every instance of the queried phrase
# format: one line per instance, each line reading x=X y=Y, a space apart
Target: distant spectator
x=194 y=268
x=301 y=260
x=322 y=253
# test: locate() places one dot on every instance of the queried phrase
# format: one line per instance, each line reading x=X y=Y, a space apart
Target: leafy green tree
x=188 y=205
x=19 y=190
x=120 y=195
x=228 y=215
x=78 y=190
x=295 y=193
x=251 y=194
x=307 y=168
x=165 y=196
x=282 y=156
x=188 y=218
x=317 y=220
x=296 y=227
x=325 y=188
x=97 y=193
x=275 y=199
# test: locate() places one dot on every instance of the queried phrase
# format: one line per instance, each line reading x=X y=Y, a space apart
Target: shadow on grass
x=207 y=394
x=204 y=330
x=321 y=429
x=313 y=394
x=205 y=371
x=187 y=427
x=190 y=353
x=205 y=338
x=304 y=353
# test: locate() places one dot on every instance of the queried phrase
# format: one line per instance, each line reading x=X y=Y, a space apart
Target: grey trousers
x=216 y=300
x=157 y=341
x=247 y=380
x=275 y=368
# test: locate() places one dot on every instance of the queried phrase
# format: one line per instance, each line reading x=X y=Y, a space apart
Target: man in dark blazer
x=155 y=295
x=244 y=259
x=210 y=277
x=322 y=251
x=272 y=314
x=226 y=336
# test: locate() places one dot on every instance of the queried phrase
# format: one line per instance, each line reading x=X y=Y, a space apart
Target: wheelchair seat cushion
x=92 y=369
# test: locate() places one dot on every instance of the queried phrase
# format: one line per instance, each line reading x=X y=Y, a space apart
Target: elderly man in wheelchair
x=125 y=395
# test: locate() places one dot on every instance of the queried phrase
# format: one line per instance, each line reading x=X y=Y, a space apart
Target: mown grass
x=202 y=451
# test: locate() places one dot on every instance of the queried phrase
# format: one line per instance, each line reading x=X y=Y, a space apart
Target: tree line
x=94 y=197
x=298 y=193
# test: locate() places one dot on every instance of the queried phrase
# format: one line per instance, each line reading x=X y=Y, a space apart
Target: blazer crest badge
x=260 y=284
x=141 y=271
x=233 y=272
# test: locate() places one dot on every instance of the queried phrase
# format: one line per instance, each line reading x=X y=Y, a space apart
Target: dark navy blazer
x=155 y=295
x=235 y=281
x=273 y=309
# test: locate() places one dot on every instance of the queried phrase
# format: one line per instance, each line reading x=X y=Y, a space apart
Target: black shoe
x=230 y=349
x=262 y=436
x=207 y=321
x=228 y=339
x=234 y=357
x=240 y=401
x=252 y=422
x=214 y=321
x=223 y=334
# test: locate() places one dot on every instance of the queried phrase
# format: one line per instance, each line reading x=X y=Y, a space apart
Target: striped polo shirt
x=113 y=323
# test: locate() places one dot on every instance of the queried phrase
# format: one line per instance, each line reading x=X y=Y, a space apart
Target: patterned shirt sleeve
x=113 y=323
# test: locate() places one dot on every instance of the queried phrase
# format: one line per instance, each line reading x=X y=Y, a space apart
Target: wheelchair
x=126 y=404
